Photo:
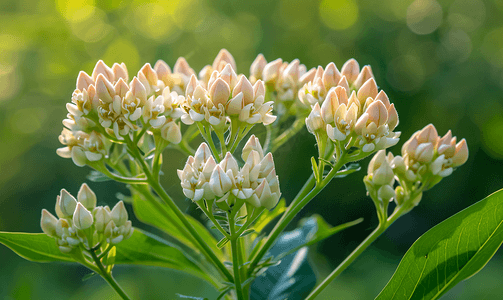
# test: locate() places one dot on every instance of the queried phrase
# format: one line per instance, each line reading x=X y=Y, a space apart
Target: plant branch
x=108 y=276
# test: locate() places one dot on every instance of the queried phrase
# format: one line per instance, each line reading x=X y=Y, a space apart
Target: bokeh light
x=424 y=16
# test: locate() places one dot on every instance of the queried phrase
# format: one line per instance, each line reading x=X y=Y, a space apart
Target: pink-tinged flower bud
x=331 y=76
x=82 y=218
x=428 y=135
x=119 y=214
x=87 y=197
x=368 y=89
x=398 y=165
x=219 y=92
x=67 y=203
x=171 y=132
x=203 y=153
x=308 y=76
x=84 y=81
x=182 y=67
x=257 y=67
x=103 y=69
x=120 y=71
x=314 y=122
x=364 y=76
x=138 y=90
x=220 y=182
x=253 y=144
x=267 y=198
x=271 y=70
x=244 y=86
x=392 y=117
x=424 y=152
x=104 y=89
x=230 y=163
x=121 y=88
x=330 y=106
x=163 y=71
x=48 y=223
x=350 y=69
x=223 y=58
x=292 y=70
x=461 y=155
x=380 y=169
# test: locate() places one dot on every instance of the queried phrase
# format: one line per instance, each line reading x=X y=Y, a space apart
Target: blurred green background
x=439 y=62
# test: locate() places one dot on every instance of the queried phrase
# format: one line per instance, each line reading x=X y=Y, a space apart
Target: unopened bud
x=48 y=223
x=119 y=214
x=87 y=197
x=82 y=218
x=67 y=203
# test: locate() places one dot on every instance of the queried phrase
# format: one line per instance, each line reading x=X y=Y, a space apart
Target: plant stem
x=167 y=199
x=108 y=277
x=235 y=257
x=294 y=208
x=364 y=245
x=297 y=125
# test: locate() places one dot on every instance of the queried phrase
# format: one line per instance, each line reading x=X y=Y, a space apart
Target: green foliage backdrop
x=439 y=62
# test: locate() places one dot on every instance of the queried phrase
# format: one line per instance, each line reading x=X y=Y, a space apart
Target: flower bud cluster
x=80 y=222
x=426 y=159
x=352 y=110
x=426 y=154
x=226 y=95
x=380 y=177
x=255 y=182
x=107 y=107
x=285 y=78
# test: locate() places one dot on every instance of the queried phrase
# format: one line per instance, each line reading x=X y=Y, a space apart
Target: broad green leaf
x=320 y=230
x=140 y=249
x=33 y=246
x=450 y=252
x=267 y=216
x=148 y=213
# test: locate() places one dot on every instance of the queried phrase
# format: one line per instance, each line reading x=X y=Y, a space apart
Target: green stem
x=235 y=258
x=180 y=215
x=294 y=208
x=131 y=180
x=108 y=277
x=209 y=140
x=367 y=242
x=209 y=214
x=297 y=125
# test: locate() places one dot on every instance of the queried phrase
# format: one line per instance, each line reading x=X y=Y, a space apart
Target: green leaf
x=320 y=230
x=148 y=213
x=222 y=242
x=180 y=296
x=37 y=247
x=267 y=216
x=351 y=168
x=450 y=252
x=140 y=249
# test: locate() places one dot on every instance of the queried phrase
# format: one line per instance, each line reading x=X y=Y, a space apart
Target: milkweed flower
x=79 y=223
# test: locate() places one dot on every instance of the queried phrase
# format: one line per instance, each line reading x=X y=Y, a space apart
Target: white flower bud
x=82 y=218
x=220 y=182
x=48 y=223
x=119 y=214
x=87 y=197
x=67 y=203
x=101 y=217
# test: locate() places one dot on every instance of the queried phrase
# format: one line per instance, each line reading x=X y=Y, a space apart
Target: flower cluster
x=427 y=155
x=106 y=107
x=426 y=159
x=353 y=111
x=283 y=77
x=80 y=223
x=256 y=182
x=226 y=95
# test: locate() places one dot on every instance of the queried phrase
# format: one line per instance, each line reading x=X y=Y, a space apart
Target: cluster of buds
x=426 y=159
x=80 y=223
x=283 y=77
x=426 y=155
x=225 y=97
x=256 y=182
x=356 y=115
x=107 y=107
